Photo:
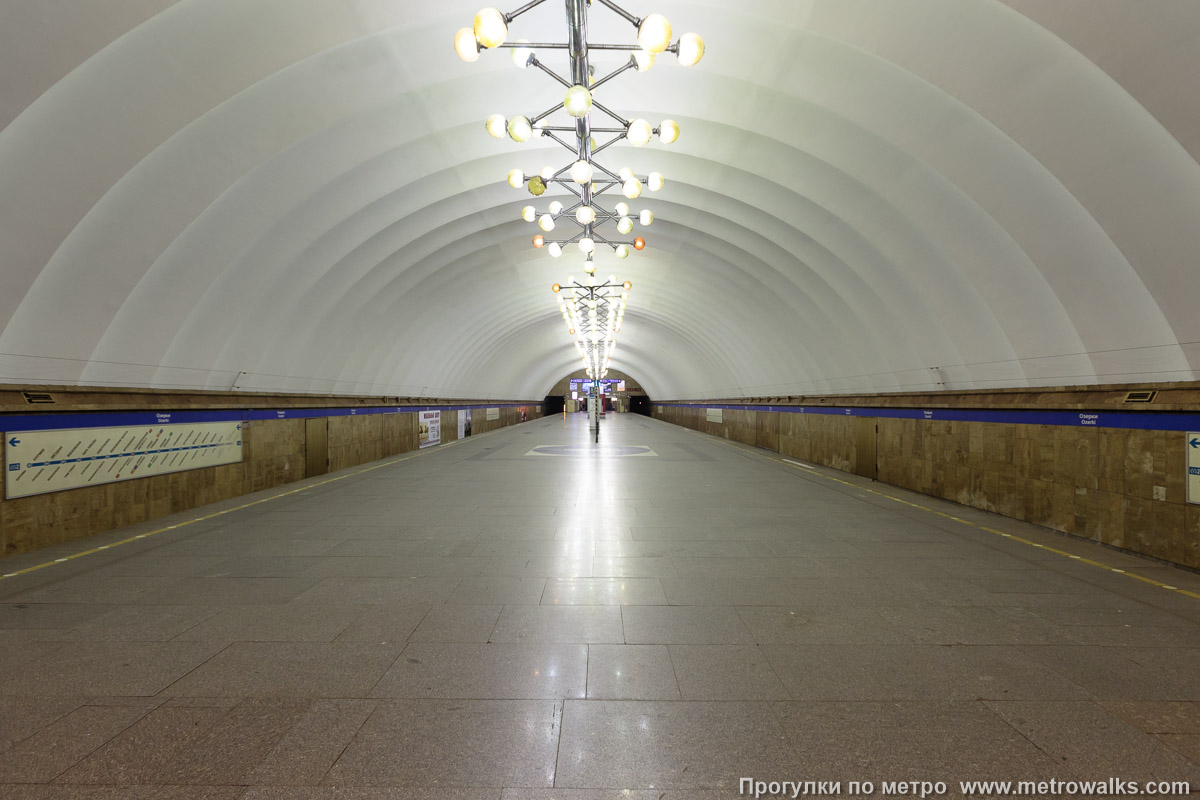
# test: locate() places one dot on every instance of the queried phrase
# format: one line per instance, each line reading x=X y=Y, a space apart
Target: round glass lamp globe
x=522 y=56
x=655 y=181
x=466 y=45
x=625 y=225
x=639 y=132
x=529 y=213
x=539 y=240
x=646 y=217
x=586 y=245
x=586 y=215
x=691 y=49
x=622 y=209
x=639 y=243
x=625 y=174
x=654 y=34
x=555 y=207
x=622 y=251
x=490 y=28
x=668 y=131
x=578 y=101
x=554 y=249
x=632 y=188
x=581 y=172
x=496 y=126
x=546 y=222
x=516 y=178
x=643 y=60
x=519 y=129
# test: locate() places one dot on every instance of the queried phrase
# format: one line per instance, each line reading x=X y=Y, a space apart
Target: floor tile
x=454 y=743
x=289 y=669
x=630 y=672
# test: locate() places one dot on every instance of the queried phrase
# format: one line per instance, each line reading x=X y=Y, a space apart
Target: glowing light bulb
x=586 y=215
x=581 y=172
x=491 y=30
x=578 y=101
x=516 y=178
x=643 y=60
x=622 y=209
x=555 y=207
x=539 y=240
x=556 y=288
x=646 y=217
x=625 y=174
x=639 y=132
x=519 y=129
x=668 y=131
x=622 y=251
x=632 y=188
x=522 y=56
x=466 y=45
x=691 y=49
x=546 y=222
x=589 y=267
x=554 y=249
x=654 y=34
x=639 y=243
x=625 y=225
x=529 y=213
x=547 y=173
x=628 y=285
x=586 y=245
x=496 y=126
x=655 y=181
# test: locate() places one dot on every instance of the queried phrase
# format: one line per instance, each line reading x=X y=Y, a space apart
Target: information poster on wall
x=493 y=414
x=714 y=414
x=464 y=423
x=1193 y=467
x=37 y=462
x=430 y=428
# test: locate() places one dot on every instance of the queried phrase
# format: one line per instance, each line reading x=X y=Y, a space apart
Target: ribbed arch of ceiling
x=867 y=196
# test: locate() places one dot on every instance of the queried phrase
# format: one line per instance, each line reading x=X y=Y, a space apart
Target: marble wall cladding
x=273 y=455
x=1122 y=487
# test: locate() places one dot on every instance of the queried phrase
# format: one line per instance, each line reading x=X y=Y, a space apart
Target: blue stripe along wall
x=1144 y=420
x=12 y=423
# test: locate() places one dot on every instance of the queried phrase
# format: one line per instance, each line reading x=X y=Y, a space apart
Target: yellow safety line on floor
x=810 y=470
x=235 y=508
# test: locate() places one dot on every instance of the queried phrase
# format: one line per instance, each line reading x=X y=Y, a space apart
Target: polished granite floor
x=528 y=615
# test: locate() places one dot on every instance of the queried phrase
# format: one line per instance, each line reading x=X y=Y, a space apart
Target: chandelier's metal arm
x=548 y=133
x=609 y=143
x=628 y=65
x=510 y=16
x=537 y=63
x=568 y=129
x=608 y=172
x=636 y=22
x=562 y=46
x=610 y=112
x=545 y=114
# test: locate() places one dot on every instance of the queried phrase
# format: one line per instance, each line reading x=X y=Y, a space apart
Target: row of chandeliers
x=593 y=311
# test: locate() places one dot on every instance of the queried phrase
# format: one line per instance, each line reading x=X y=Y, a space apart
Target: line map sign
x=37 y=462
x=1193 y=465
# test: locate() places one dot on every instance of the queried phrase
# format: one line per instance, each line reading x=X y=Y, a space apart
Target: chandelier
x=593 y=313
x=583 y=176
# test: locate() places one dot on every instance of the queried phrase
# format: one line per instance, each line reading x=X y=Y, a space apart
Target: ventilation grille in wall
x=37 y=398
x=1143 y=396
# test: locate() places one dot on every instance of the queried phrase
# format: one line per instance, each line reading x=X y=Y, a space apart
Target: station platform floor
x=527 y=615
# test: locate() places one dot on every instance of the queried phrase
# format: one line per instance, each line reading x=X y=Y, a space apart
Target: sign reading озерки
x=1192 y=445
x=37 y=462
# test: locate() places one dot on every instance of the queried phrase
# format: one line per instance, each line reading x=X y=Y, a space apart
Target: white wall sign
x=430 y=428
x=493 y=413
x=714 y=414
x=37 y=462
x=1193 y=466
x=462 y=423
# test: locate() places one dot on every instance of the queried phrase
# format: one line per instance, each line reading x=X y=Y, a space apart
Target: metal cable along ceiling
x=868 y=195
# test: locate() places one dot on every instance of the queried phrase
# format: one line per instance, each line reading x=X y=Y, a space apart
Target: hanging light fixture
x=593 y=312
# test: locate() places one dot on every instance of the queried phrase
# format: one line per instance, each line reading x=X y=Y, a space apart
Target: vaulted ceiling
x=868 y=195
